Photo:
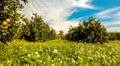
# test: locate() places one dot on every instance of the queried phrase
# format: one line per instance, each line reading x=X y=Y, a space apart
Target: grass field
x=59 y=53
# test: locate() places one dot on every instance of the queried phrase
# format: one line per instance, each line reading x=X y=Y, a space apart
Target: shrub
x=90 y=31
x=37 y=30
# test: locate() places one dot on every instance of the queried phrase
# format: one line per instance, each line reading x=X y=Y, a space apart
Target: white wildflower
x=53 y=64
x=103 y=56
x=55 y=51
x=41 y=61
x=113 y=49
x=44 y=62
x=36 y=53
x=90 y=58
x=51 y=60
x=38 y=56
x=60 y=61
x=73 y=61
x=27 y=64
x=20 y=47
x=28 y=55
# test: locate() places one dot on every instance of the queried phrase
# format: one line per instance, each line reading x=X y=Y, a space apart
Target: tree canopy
x=9 y=17
x=88 y=31
x=37 y=30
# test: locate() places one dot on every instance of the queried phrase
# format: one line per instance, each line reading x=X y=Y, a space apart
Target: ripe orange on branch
x=7 y=20
x=5 y=23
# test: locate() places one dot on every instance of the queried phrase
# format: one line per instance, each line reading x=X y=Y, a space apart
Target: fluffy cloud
x=83 y=4
x=109 y=13
x=56 y=12
x=113 y=21
x=113 y=29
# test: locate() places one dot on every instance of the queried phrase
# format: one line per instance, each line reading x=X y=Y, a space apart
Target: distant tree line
x=90 y=31
x=114 y=35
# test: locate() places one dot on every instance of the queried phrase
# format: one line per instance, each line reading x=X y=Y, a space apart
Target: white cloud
x=56 y=12
x=113 y=29
x=109 y=13
x=83 y=4
x=113 y=21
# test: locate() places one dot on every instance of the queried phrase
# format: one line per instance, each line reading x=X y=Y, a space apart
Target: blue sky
x=100 y=5
x=60 y=14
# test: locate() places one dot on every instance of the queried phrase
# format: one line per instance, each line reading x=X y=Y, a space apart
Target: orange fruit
x=16 y=11
x=7 y=20
x=4 y=23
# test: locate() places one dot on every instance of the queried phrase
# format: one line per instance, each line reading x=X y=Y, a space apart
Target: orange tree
x=36 y=29
x=9 y=18
x=90 y=31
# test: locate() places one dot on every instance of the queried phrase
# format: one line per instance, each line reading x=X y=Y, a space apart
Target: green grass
x=59 y=53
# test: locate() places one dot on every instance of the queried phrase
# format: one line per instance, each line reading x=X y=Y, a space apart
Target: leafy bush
x=37 y=30
x=88 y=31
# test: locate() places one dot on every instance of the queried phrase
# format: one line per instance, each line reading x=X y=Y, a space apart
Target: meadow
x=59 y=53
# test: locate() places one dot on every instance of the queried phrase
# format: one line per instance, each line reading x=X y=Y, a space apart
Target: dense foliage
x=59 y=53
x=61 y=34
x=9 y=18
x=37 y=30
x=114 y=35
x=88 y=31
